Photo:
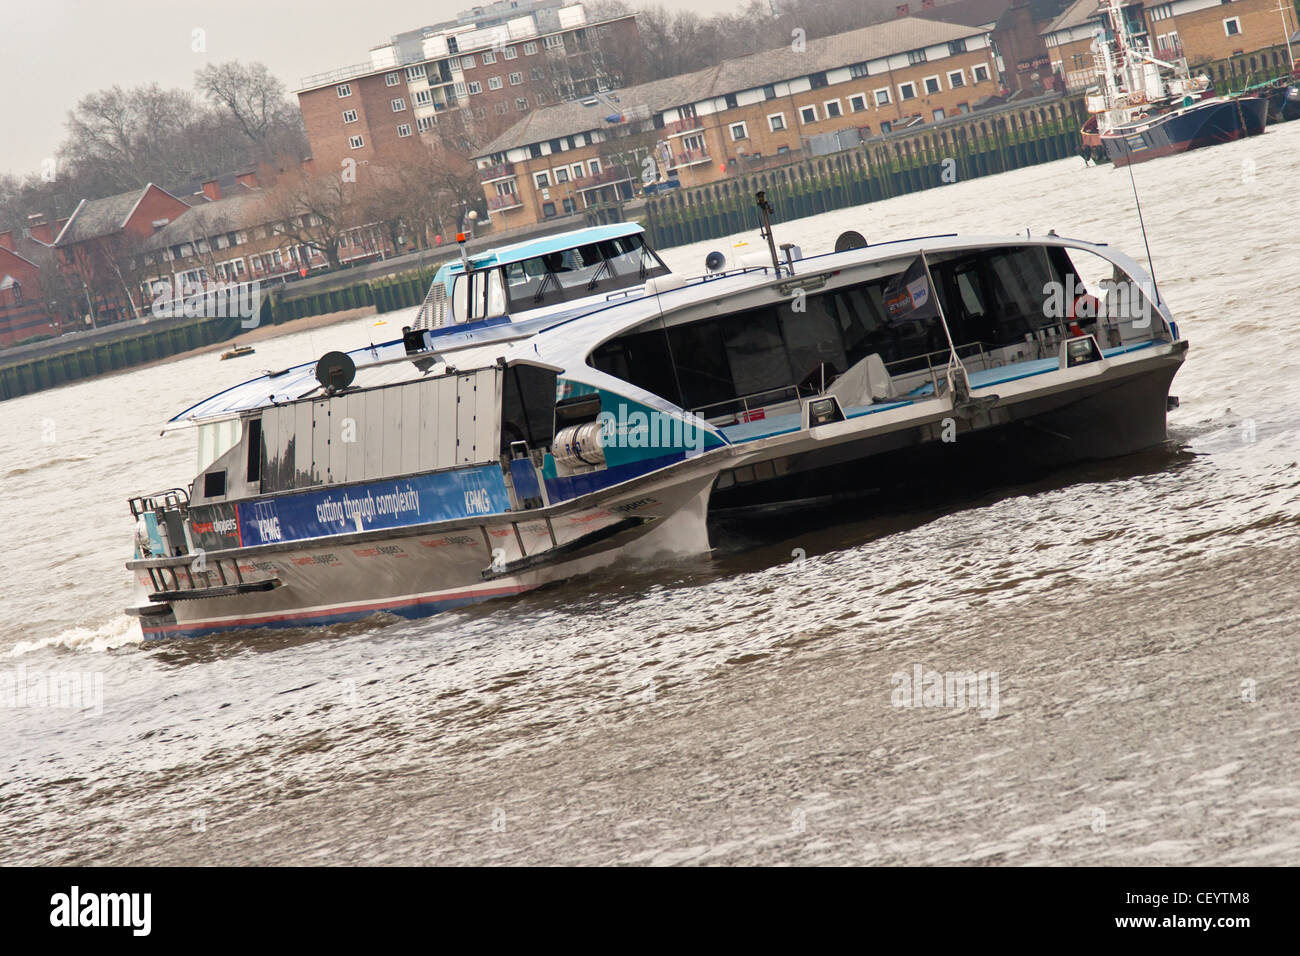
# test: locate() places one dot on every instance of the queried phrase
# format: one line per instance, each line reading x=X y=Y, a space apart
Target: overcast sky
x=53 y=52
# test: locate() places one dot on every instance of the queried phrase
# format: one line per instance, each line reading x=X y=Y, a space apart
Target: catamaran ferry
x=567 y=401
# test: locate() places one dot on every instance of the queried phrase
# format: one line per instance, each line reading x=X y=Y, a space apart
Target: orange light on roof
x=460 y=237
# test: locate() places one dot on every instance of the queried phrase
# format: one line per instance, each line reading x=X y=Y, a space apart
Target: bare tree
x=256 y=101
x=316 y=212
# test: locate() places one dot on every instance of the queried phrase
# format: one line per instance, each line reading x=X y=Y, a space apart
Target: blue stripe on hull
x=411 y=610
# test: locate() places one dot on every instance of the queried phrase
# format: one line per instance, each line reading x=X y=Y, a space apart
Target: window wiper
x=604 y=267
x=541 y=289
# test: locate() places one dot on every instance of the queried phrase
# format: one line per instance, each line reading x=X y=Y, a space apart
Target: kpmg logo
x=74 y=909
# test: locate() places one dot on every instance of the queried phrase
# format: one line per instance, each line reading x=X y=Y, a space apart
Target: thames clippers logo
x=228 y=527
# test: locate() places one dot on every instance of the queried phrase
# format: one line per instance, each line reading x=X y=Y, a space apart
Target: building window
x=738 y=132
x=980 y=72
x=521 y=105
x=1232 y=26
x=489 y=57
x=391 y=79
x=882 y=97
x=906 y=91
x=494 y=83
x=932 y=85
x=857 y=102
x=593 y=166
x=859 y=70
x=536 y=73
x=404 y=129
x=502 y=108
x=516 y=79
x=956 y=78
x=832 y=109
x=511 y=53
x=467 y=63
x=530 y=49
x=349 y=116
x=915 y=56
x=554 y=42
x=344 y=89
x=460 y=89
x=776 y=122
x=1162 y=12
x=956 y=47
x=423 y=97
x=415 y=72
x=541 y=99
x=424 y=124
x=356 y=142
x=548 y=210
x=475 y=86
x=577 y=170
x=561 y=175
x=808 y=114
x=398 y=104
x=570 y=207
x=542 y=180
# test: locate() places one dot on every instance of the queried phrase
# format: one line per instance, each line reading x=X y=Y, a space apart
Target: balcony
x=503 y=202
x=1169 y=50
x=690 y=157
x=677 y=127
x=492 y=173
x=614 y=174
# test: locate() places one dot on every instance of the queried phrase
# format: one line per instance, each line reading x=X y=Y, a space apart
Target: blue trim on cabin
x=573 y=486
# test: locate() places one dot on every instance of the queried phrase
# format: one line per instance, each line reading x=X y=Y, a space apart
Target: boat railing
x=177 y=498
x=936 y=363
x=746 y=405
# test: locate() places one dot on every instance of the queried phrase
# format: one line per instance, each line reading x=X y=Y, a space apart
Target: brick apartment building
x=458 y=84
x=1199 y=30
x=705 y=126
x=114 y=256
x=232 y=233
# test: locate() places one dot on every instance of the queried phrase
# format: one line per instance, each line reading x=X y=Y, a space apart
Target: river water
x=1136 y=622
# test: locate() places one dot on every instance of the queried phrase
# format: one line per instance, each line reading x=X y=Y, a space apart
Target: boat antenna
x=765 y=227
x=1151 y=265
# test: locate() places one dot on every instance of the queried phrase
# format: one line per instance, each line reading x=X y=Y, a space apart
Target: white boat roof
x=564 y=338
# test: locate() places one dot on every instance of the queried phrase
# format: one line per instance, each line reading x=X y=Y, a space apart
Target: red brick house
x=23 y=313
x=101 y=245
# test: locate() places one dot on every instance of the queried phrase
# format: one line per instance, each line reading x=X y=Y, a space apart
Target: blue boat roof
x=531 y=248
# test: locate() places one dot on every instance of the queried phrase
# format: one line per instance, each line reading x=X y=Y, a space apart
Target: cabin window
x=254 y=451
x=527 y=406
x=214 y=484
x=215 y=439
x=644 y=359
x=477 y=295
x=568 y=274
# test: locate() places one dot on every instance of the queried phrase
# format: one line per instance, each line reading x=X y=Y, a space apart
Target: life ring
x=1137 y=98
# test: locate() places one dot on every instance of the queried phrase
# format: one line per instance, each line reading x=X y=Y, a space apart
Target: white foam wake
x=118 y=631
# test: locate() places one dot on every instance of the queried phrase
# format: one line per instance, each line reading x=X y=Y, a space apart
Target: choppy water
x=1141 y=618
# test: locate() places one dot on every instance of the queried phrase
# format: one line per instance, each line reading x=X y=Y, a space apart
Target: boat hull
x=1114 y=415
x=417 y=572
x=1207 y=124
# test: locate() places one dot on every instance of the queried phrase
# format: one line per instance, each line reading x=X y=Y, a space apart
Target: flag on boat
x=908 y=297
